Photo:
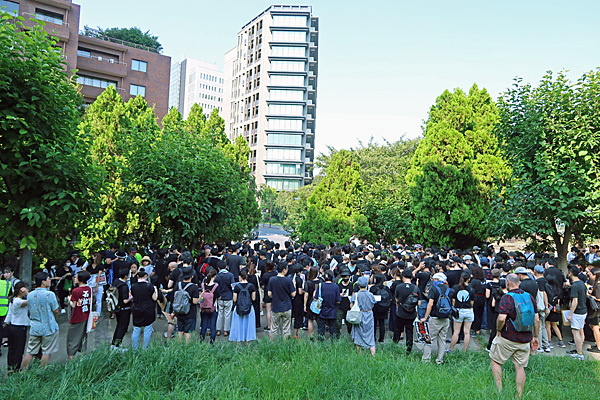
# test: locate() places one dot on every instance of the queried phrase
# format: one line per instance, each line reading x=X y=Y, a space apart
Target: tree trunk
x=562 y=247
x=25 y=265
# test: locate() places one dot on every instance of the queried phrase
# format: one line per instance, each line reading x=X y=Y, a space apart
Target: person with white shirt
x=17 y=322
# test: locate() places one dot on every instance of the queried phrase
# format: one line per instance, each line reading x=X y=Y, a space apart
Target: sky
x=383 y=63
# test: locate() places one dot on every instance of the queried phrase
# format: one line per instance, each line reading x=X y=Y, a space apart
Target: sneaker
x=561 y=344
x=547 y=349
x=578 y=356
x=571 y=352
x=571 y=342
x=439 y=362
x=540 y=350
x=550 y=346
x=594 y=350
x=63 y=311
x=448 y=351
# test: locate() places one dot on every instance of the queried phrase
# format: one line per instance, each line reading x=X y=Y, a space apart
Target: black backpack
x=244 y=301
x=496 y=294
x=386 y=299
x=410 y=302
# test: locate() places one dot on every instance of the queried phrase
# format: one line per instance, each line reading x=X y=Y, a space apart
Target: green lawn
x=293 y=370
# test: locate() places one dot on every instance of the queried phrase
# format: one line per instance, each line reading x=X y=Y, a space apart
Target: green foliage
x=45 y=169
x=294 y=369
x=447 y=205
x=293 y=205
x=169 y=185
x=132 y=35
x=385 y=196
x=459 y=133
x=550 y=134
x=333 y=213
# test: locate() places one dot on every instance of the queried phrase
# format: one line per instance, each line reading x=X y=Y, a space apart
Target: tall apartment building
x=100 y=61
x=194 y=81
x=271 y=93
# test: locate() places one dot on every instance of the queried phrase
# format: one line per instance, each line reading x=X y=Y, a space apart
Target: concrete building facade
x=100 y=61
x=270 y=94
x=194 y=81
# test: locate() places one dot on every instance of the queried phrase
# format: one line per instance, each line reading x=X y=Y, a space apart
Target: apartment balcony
x=313 y=29
x=310 y=132
x=310 y=117
x=311 y=60
x=92 y=92
x=60 y=30
x=309 y=102
x=311 y=74
x=102 y=65
x=308 y=161
x=310 y=88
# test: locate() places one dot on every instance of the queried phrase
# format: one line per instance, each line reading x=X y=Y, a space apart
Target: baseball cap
x=468 y=257
x=363 y=281
x=539 y=269
x=521 y=270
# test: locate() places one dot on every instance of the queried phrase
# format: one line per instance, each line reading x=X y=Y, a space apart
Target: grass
x=293 y=370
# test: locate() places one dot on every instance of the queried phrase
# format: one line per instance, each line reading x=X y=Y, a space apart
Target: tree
x=447 y=205
x=333 y=213
x=294 y=206
x=551 y=134
x=385 y=197
x=459 y=133
x=132 y=35
x=46 y=171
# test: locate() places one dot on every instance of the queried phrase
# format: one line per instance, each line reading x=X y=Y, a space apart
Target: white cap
x=440 y=277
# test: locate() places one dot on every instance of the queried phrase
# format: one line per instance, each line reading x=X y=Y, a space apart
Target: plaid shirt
x=507 y=306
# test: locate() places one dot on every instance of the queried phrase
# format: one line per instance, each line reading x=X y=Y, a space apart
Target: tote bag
x=354 y=315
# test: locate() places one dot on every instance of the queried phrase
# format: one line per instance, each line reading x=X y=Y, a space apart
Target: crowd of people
x=362 y=289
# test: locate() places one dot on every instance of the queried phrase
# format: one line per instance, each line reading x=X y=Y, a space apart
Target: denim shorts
x=465 y=315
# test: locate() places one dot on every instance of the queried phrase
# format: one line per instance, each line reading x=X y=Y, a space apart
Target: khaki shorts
x=48 y=344
x=503 y=349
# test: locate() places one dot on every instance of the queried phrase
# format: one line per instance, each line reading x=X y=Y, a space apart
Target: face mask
x=346 y=280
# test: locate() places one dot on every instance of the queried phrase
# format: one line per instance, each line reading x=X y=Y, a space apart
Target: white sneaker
x=547 y=349
x=540 y=350
x=63 y=311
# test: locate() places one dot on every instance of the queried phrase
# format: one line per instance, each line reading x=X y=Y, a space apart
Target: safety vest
x=4 y=290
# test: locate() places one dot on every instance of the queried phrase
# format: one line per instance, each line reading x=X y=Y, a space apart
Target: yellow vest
x=4 y=290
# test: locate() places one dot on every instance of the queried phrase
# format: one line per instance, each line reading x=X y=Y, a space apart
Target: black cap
x=345 y=272
x=187 y=272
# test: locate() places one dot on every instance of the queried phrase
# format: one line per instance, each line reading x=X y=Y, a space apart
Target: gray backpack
x=182 y=300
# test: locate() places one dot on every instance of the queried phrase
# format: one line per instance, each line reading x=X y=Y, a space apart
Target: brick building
x=100 y=61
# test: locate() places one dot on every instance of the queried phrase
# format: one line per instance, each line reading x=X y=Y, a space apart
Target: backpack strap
x=186 y=286
x=214 y=287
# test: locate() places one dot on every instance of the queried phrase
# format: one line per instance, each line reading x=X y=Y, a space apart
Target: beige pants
x=281 y=321
x=438 y=330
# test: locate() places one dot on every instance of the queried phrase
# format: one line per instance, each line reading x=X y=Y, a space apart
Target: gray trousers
x=543 y=335
x=224 y=308
x=438 y=330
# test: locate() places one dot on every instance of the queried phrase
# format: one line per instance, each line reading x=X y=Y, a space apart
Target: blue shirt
x=225 y=280
x=330 y=292
x=41 y=304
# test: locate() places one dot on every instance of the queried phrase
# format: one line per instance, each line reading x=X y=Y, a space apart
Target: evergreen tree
x=333 y=213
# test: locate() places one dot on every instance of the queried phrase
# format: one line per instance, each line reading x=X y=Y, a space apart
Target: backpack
x=386 y=299
x=539 y=301
x=428 y=286
x=496 y=294
x=208 y=299
x=525 y=312
x=112 y=298
x=244 y=301
x=182 y=300
x=410 y=302
x=443 y=305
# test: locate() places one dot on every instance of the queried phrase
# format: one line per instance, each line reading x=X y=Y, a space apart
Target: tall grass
x=293 y=370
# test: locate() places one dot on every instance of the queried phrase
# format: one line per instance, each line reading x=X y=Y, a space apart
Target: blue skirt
x=243 y=327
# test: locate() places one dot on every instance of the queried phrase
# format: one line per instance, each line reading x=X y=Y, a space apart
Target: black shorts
x=186 y=324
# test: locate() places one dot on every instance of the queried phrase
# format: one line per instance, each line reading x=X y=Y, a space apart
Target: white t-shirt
x=17 y=315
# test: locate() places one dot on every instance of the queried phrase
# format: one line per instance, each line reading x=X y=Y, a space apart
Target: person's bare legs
x=497 y=374
x=45 y=360
x=520 y=380
x=548 y=328
x=358 y=349
x=26 y=360
x=310 y=327
x=188 y=337
x=557 y=331
x=372 y=350
x=467 y=331
x=457 y=327
x=269 y=314
x=596 y=331
x=578 y=339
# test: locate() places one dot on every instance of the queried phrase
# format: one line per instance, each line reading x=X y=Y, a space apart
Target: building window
x=287 y=80
x=289 y=20
x=288 y=66
x=288 y=51
x=292 y=95
x=48 y=16
x=84 y=53
x=283 y=169
x=138 y=65
x=283 y=184
x=278 y=138
x=276 y=124
x=286 y=109
x=9 y=6
x=284 y=154
x=96 y=82
x=134 y=90
x=289 y=36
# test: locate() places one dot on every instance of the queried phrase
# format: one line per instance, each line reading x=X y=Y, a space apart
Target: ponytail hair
x=465 y=277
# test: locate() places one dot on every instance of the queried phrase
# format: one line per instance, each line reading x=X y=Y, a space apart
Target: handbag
x=316 y=304
x=354 y=315
x=592 y=307
x=92 y=321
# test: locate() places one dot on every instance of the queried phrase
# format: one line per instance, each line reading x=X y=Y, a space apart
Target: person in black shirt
x=346 y=291
x=123 y=310
x=527 y=284
x=264 y=282
x=186 y=323
x=144 y=299
x=405 y=314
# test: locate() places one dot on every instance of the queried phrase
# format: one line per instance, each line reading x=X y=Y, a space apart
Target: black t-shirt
x=253 y=279
x=463 y=297
x=541 y=283
x=346 y=291
x=578 y=291
x=162 y=271
x=123 y=290
x=144 y=309
x=422 y=280
x=560 y=278
x=264 y=282
x=478 y=287
x=530 y=286
x=237 y=288
x=453 y=276
x=310 y=287
x=281 y=288
x=233 y=262
x=118 y=266
x=402 y=291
